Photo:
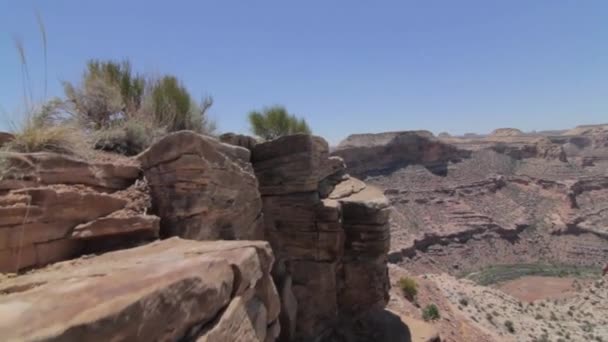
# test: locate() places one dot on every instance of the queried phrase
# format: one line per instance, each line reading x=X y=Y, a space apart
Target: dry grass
x=36 y=135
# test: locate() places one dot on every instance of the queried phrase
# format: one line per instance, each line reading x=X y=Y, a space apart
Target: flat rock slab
x=154 y=292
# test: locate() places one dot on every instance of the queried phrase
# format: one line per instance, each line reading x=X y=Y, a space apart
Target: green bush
x=510 y=327
x=430 y=313
x=98 y=100
x=274 y=122
x=173 y=107
x=125 y=112
x=409 y=287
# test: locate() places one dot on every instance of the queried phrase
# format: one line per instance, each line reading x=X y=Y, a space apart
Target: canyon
x=504 y=211
x=213 y=239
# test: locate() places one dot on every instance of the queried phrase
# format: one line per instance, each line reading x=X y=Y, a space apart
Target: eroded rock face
x=325 y=228
x=5 y=137
x=168 y=290
x=53 y=207
x=33 y=169
x=239 y=140
x=542 y=148
x=202 y=189
x=367 y=154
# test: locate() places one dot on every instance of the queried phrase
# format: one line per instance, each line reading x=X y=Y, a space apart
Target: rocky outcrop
x=168 y=290
x=368 y=154
x=506 y=132
x=239 y=140
x=38 y=169
x=53 y=207
x=202 y=189
x=329 y=233
x=542 y=148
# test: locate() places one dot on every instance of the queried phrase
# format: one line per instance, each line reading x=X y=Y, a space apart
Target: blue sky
x=346 y=66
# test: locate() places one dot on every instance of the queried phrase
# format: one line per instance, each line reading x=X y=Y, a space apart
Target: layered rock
x=328 y=231
x=239 y=140
x=202 y=189
x=168 y=290
x=53 y=207
x=542 y=148
x=506 y=132
x=368 y=154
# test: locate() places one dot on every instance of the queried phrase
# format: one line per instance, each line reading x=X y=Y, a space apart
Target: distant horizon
x=347 y=68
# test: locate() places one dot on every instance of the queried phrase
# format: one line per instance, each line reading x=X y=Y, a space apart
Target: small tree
x=274 y=122
x=173 y=107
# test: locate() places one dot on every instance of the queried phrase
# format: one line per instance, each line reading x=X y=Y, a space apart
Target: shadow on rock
x=377 y=325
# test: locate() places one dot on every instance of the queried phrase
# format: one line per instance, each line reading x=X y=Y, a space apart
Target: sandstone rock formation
x=506 y=132
x=239 y=140
x=53 y=207
x=329 y=233
x=542 y=148
x=368 y=154
x=168 y=290
x=328 y=230
x=202 y=189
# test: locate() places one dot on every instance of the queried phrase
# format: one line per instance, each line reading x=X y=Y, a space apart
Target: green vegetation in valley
x=500 y=273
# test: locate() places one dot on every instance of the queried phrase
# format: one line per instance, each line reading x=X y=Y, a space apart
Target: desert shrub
x=96 y=101
x=172 y=106
x=510 y=327
x=128 y=137
x=463 y=301
x=430 y=313
x=409 y=287
x=44 y=130
x=124 y=112
x=273 y=122
x=130 y=85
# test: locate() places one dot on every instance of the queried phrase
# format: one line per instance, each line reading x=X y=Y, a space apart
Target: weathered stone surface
x=289 y=308
x=112 y=226
x=53 y=194
x=346 y=188
x=324 y=227
x=199 y=191
x=316 y=296
x=234 y=325
x=258 y=317
x=43 y=168
x=239 y=140
x=290 y=164
x=161 y=291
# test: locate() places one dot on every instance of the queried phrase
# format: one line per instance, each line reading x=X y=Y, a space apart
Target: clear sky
x=347 y=66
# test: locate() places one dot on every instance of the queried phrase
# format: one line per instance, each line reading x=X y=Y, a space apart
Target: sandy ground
x=531 y=288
